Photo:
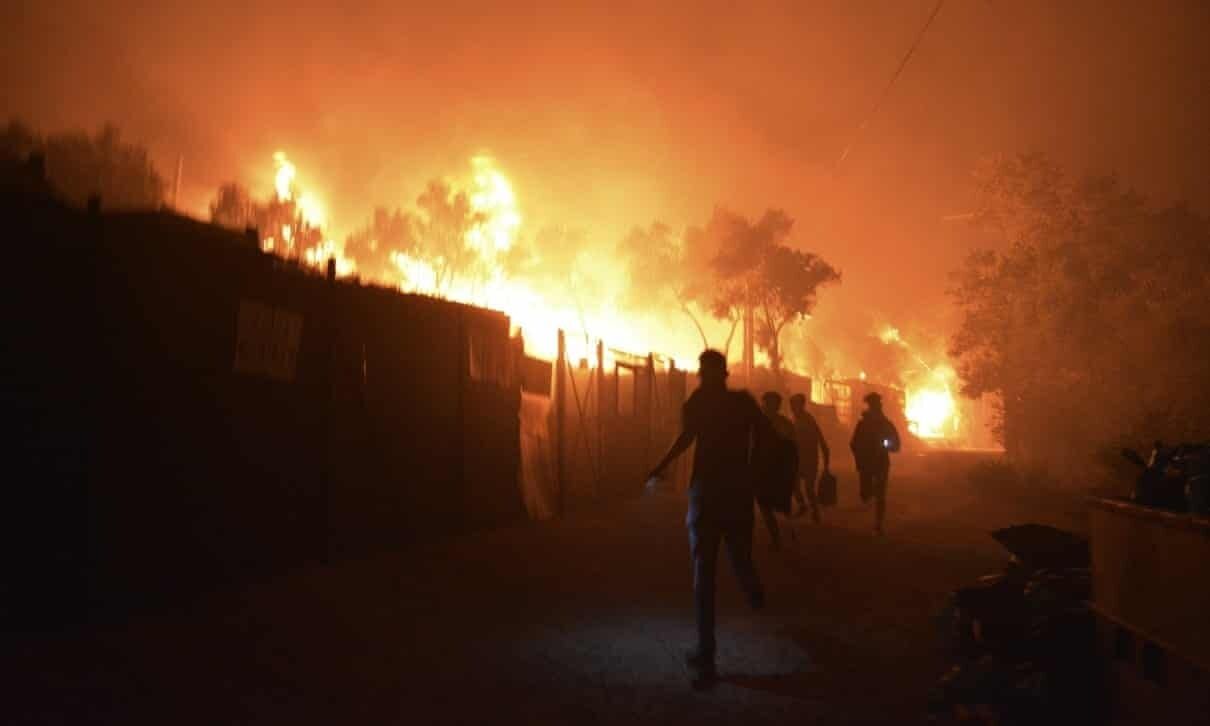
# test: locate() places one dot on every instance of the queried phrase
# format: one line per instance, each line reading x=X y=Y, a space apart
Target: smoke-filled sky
x=615 y=115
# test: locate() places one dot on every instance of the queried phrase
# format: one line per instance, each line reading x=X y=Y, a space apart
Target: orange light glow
x=283 y=178
x=931 y=411
x=929 y=402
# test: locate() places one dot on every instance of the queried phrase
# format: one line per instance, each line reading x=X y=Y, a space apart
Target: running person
x=722 y=423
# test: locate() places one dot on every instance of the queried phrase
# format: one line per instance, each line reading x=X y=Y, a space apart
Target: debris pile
x=1175 y=478
x=1024 y=640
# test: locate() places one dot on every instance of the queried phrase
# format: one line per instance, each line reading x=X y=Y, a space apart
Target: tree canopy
x=1089 y=321
x=726 y=267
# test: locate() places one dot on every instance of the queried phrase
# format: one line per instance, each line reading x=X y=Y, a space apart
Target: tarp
x=1042 y=547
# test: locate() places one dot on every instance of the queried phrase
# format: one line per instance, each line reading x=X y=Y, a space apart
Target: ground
x=583 y=619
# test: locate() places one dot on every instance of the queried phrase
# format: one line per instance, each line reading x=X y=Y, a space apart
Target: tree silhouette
x=754 y=268
x=18 y=141
x=787 y=284
x=233 y=207
x=1087 y=322
x=386 y=232
x=441 y=231
x=79 y=166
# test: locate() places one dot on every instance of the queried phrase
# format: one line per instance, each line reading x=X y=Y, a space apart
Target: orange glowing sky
x=614 y=115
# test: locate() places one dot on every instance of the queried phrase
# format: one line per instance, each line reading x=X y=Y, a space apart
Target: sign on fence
x=267 y=340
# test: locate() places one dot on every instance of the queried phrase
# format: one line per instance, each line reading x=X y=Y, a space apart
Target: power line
x=887 y=91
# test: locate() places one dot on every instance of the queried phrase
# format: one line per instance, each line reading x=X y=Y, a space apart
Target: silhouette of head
x=712 y=368
x=771 y=401
x=874 y=401
x=798 y=403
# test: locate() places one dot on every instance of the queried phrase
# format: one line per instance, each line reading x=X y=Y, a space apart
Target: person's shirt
x=721 y=422
x=868 y=445
x=808 y=437
x=782 y=426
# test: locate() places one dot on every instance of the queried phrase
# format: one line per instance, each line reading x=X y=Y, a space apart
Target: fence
x=599 y=431
x=191 y=411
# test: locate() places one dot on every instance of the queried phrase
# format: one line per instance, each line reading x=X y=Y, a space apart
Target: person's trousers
x=704 y=539
x=808 y=477
x=873 y=486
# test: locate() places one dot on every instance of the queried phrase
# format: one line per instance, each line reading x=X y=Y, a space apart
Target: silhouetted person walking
x=722 y=423
x=811 y=442
x=767 y=458
x=874 y=439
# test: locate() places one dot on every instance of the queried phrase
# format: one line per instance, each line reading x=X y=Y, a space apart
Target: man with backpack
x=874 y=440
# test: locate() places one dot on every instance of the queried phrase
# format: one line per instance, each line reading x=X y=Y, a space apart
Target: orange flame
x=929 y=403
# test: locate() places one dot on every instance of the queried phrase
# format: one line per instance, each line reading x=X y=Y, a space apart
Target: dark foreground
x=580 y=620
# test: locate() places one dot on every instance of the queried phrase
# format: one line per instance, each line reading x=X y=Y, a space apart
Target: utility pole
x=649 y=444
x=560 y=402
x=176 y=184
x=749 y=345
x=600 y=416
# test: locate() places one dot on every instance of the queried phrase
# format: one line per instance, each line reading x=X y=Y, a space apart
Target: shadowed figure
x=811 y=442
x=874 y=439
x=722 y=423
x=768 y=459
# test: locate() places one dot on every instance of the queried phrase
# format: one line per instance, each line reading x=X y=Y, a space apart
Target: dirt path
x=582 y=620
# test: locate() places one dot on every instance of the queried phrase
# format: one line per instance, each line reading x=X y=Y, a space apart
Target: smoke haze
x=611 y=117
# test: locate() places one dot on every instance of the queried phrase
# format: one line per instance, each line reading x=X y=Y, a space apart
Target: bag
x=777 y=476
x=826 y=494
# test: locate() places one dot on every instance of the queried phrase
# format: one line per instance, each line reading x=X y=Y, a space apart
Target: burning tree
x=385 y=233
x=283 y=226
x=234 y=207
x=442 y=233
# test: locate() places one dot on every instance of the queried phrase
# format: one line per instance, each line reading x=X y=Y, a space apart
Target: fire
x=307 y=203
x=283 y=179
x=930 y=409
x=537 y=309
x=929 y=402
x=492 y=195
x=319 y=255
x=311 y=212
x=586 y=304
